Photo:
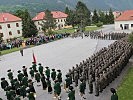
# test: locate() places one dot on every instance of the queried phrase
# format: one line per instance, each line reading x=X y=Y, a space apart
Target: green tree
x=111 y=17
x=95 y=17
x=130 y=38
x=82 y=15
x=70 y=20
x=49 y=22
x=102 y=17
x=67 y=11
x=28 y=27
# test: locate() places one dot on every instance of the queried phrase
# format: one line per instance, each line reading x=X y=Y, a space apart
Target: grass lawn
x=125 y=90
x=11 y=50
x=71 y=30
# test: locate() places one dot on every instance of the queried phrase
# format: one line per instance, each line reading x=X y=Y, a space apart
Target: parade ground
x=61 y=54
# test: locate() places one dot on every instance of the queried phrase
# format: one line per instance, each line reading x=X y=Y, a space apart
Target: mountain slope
x=35 y=6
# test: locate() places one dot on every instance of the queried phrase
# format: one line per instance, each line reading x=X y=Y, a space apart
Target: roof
x=56 y=15
x=125 y=16
x=7 y=17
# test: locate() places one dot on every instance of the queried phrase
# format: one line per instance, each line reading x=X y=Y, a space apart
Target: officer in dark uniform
x=25 y=71
x=20 y=76
x=40 y=68
x=34 y=66
x=53 y=74
x=96 y=86
x=82 y=88
x=47 y=72
x=31 y=72
x=71 y=94
x=4 y=83
x=21 y=51
x=37 y=78
x=44 y=83
x=59 y=76
x=10 y=74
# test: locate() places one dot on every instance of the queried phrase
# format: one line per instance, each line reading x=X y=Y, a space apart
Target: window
x=61 y=20
x=38 y=23
x=1 y=34
x=131 y=25
x=8 y=25
x=10 y=33
x=17 y=25
x=64 y=20
x=0 y=27
x=58 y=20
x=18 y=31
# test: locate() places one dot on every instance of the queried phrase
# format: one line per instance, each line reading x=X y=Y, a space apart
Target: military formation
x=100 y=35
x=23 y=86
x=99 y=70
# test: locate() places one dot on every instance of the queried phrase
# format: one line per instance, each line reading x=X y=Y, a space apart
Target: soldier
x=57 y=89
x=37 y=78
x=31 y=72
x=23 y=91
x=34 y=66
x=44 y=84
x=40 y=68
x=25 y=81
x=53 y=74
x=31 y=96
x=47 y=72
x=31 y=87
x=76 y=78
x=59 y=76
x=21 y=51
x=20 y=76
x=49 y=86
x=96 y=86
x=90 y=84
x=101 y=83
x=25 y=71
x=68 y=82
x=10 y=74
x=71 y=94
x=82 y=88
x=4 y=84
x=114 y=94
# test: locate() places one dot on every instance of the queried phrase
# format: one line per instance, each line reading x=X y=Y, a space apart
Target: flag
x=34 y=58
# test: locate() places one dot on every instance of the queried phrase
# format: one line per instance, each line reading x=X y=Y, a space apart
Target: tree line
x=81 y=16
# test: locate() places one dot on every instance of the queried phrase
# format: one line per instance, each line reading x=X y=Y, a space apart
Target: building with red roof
x=124 y=21
x=59 y=17
x=10 y=26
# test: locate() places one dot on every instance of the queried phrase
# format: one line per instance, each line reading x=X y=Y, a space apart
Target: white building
x=59 y=17
x=124 y=21
x=10 y=26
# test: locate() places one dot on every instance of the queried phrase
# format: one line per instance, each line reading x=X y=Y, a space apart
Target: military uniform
x=25 y=71
x=71 y=94
x=49 y=86
x=10 y=74
x=47 y=72
x=34 y=66
x=96 y=86
x=31 y=72
x=25 y=81
x=40 y=68
x=59 y=76
x=23 y=91
x=31 y=96
x=53 y=74
x=4 y=83
x=20 y=76
x=44 y=84
x=57 y=88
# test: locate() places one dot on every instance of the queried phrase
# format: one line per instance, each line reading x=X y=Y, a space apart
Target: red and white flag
x=34 y=58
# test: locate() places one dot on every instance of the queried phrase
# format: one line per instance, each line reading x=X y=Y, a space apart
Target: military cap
x=19 y=71
x=30 y=68
x=9 y=70
x=113 y=90
x=81 y=79
x=3 y=78
x=53 y=69
x=47 y=67
x=67 y=75
x=58 y=70
x=55 y=81
x=30 y=80
x=39 y=64
x=23 y=66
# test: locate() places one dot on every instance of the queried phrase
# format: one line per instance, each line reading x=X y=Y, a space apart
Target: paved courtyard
x=61 y=54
